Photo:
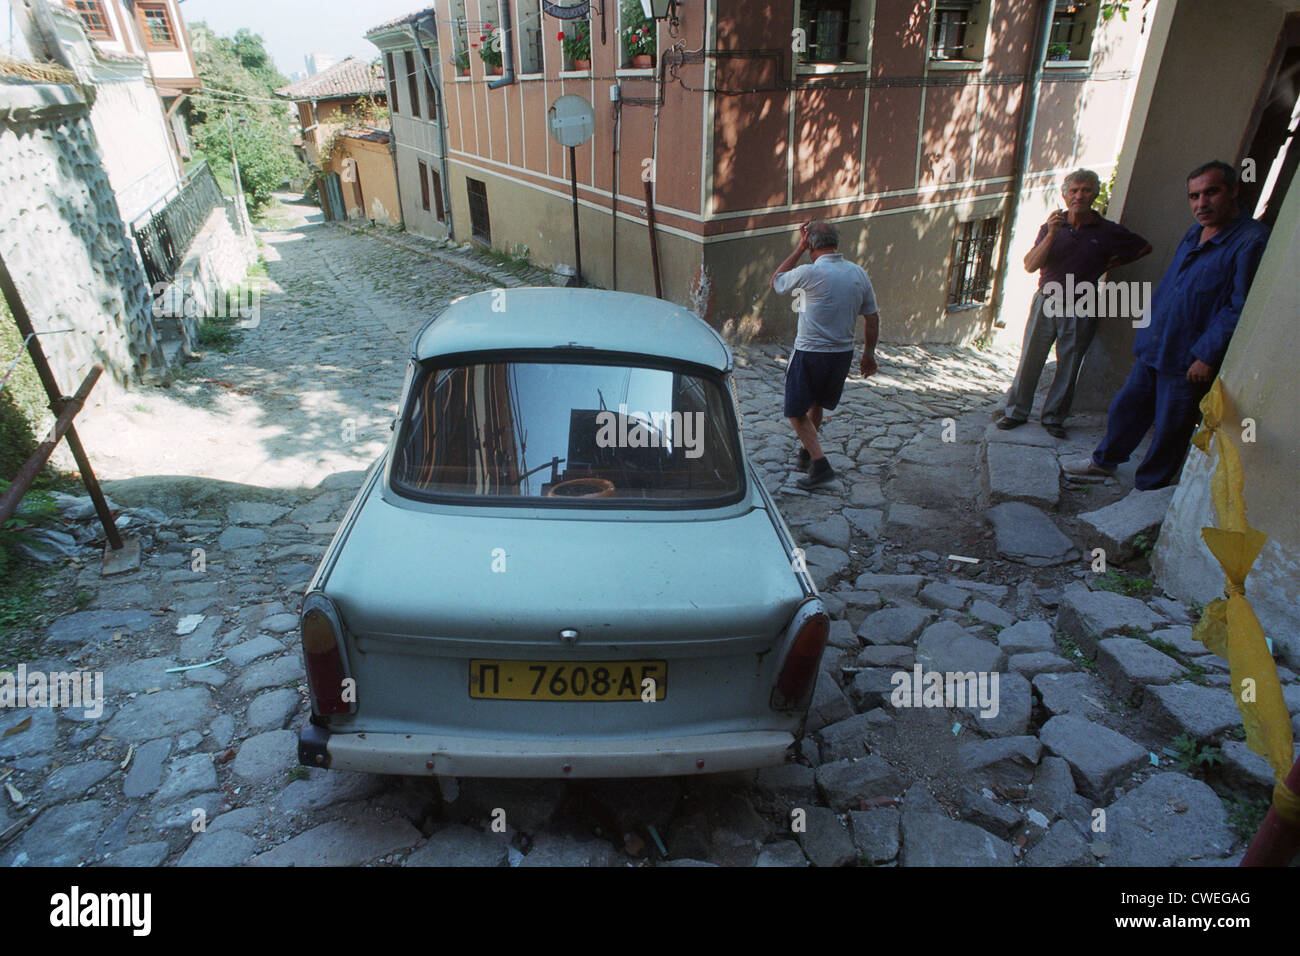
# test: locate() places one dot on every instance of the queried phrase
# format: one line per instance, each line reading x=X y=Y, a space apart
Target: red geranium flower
x=560 y=35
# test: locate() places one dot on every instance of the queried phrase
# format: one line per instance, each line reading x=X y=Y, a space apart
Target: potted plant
x=1058 y=51
x=638 y=36
x=577 y=45
x=462 y=63
x=489 y=48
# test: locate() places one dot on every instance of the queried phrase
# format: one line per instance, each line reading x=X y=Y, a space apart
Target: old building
x=409 y=52
x=343 y=114
x=155 y=31
x=905 y=122
x=137 y=58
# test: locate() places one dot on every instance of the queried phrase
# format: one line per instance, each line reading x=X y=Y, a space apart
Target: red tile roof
x=349 y=77
x=402 y=21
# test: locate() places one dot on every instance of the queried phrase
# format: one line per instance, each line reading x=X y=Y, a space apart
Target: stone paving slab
x=1028 y=536
x=1117 y=526
x=1100 y=758
x=342 y=843
x=1020 y=473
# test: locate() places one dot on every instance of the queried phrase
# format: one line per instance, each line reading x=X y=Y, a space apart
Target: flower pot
x=582 y=64
x=643 y=61
x=497 y=71
x=462 y=71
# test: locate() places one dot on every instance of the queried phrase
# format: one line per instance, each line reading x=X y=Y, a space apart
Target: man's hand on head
x=1200 y=373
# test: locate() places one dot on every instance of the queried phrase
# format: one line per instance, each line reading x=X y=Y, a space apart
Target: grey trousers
x=1072 y=337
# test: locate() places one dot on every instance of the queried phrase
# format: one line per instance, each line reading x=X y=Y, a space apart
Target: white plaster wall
x=132 y=131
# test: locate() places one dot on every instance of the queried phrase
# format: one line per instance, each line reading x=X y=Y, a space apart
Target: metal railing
x=167 y=228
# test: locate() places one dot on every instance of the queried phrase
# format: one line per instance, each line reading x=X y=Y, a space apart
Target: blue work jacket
x=1196 y=306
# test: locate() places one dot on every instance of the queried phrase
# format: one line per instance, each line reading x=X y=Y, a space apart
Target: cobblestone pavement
x=236 y=476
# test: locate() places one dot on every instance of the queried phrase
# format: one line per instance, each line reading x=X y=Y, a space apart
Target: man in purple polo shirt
x=1077 y=244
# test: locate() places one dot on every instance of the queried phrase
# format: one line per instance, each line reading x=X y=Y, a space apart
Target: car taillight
x=800 y=670
x=322 y=651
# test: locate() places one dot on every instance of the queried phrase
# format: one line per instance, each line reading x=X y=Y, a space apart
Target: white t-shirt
x=836 y=293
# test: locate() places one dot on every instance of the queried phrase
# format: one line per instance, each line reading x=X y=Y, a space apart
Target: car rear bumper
x=436 y=755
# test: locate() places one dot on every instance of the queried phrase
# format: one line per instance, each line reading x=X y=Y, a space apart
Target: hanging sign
x=572 y=11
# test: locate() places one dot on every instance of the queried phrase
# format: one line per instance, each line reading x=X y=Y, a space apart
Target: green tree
x=240 y=80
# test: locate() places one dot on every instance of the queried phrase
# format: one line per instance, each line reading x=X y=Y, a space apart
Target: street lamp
x=660 y=10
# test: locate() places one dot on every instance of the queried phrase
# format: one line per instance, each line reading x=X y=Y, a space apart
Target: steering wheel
x=582 y=488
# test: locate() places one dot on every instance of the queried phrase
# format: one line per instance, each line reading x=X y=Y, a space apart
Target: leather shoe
x=1005 y=423
x=1056 y=431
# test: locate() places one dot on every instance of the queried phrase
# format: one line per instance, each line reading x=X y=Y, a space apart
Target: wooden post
x=57 y=403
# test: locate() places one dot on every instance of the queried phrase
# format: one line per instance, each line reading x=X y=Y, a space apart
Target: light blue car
x=564 y=565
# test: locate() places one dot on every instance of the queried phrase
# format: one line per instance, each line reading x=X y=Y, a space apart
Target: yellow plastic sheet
x=1229 y=627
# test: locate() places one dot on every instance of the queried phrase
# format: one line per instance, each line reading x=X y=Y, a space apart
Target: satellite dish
x=571 y=120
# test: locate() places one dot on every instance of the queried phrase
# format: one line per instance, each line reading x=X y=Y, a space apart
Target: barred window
x=953 y=21
x=826 y=29
x=480 y=223
x=93 y=18
x=530 y=36
x=1071 y=34
x=972 y=262
x=460 y=30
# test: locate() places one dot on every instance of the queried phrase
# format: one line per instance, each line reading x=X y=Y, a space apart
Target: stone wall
x=62 y=237
x=216 y=265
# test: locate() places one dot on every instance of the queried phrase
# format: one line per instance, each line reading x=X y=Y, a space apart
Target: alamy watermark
x=128 y=910
x=1098 y=300
x=67 y=689
x=620 y=429
x=922 y=688
x=184 y=298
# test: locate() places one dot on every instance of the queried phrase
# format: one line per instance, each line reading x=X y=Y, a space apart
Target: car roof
x=542 y=318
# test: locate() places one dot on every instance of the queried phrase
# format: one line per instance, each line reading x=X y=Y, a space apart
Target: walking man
x=1194 y=312
x=1075 y=243
x=830 y=294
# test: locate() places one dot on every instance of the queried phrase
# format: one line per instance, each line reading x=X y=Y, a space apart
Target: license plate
x=599 y=681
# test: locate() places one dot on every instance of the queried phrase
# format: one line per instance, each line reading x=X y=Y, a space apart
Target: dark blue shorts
x=815 y=378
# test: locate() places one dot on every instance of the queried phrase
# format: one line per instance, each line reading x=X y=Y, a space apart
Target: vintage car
x=564 y=565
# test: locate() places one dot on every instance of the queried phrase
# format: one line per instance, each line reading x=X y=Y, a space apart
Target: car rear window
x=566 y=433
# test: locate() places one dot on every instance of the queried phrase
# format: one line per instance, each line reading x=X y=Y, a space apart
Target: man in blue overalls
x=1193 y=314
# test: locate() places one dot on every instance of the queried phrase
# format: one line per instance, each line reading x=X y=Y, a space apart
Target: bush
x=24 y=412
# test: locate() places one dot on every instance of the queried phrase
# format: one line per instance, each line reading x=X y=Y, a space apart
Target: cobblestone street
x=236 y=475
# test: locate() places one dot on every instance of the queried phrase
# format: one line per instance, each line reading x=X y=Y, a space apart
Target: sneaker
x=1005 y=423
x=1056 y=431
x=821 y=473
x=1086 y=466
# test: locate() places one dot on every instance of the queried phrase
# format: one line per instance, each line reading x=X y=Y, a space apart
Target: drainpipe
x=507 y=51
x=1028 y=120
x=442 y=120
